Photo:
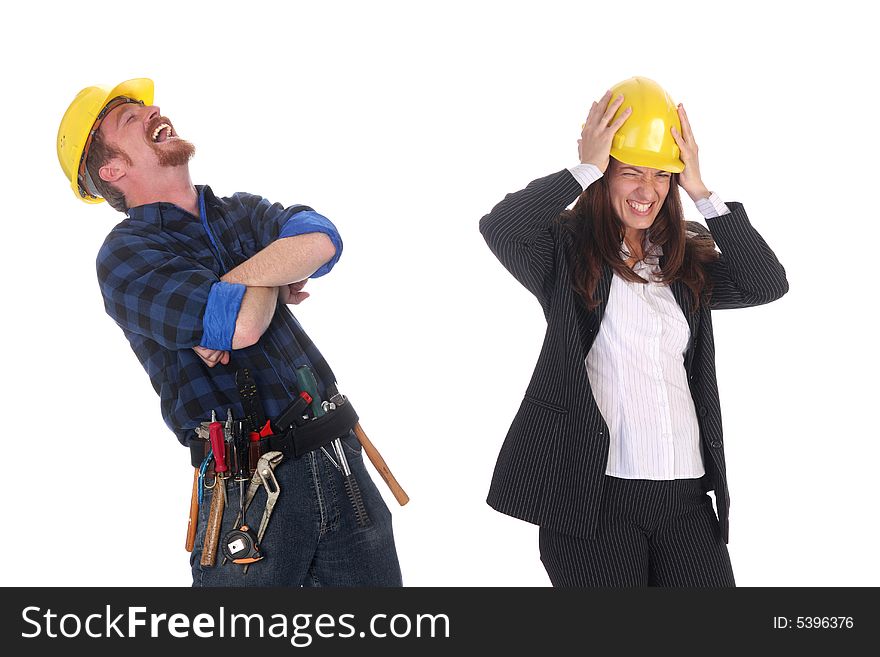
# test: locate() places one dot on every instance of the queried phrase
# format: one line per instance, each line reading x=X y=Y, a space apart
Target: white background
x=405 y=123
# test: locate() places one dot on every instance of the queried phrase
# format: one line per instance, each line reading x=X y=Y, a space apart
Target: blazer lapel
x=589 y=320
x=603 y=290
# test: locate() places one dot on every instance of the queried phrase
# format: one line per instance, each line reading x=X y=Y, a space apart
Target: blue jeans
x=313 y=538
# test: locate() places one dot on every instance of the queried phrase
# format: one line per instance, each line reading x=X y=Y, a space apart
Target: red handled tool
x=218 y=444
x=218 y=499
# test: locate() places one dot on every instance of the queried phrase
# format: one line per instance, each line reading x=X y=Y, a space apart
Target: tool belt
x=294 y=442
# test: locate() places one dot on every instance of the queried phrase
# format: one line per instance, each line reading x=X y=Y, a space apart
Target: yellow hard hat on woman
x=645 y=139
x=74 y=133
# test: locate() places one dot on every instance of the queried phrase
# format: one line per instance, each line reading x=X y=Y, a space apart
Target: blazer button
x=715 y=444
x=702 y=411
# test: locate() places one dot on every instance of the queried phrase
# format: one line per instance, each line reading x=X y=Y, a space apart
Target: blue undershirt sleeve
x=224 y=302
x=309 y=221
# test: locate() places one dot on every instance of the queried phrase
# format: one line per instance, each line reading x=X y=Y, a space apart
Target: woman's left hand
x=689 y=179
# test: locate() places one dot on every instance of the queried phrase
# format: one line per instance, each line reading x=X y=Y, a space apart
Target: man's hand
x=594 y=146
x=690 y=179
x=212 y=356
x=293 y=293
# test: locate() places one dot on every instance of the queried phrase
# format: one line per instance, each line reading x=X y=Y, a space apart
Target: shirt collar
x=162 y=214
x=652 y=252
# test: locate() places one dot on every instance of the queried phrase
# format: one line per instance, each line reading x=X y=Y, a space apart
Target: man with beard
x=199 y=285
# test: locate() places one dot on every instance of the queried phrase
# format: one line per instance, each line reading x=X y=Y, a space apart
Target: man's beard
x=174 y=153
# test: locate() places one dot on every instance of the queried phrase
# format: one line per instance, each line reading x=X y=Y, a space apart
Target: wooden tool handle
x=215 y=519
x=193 y=513
x=380 y=465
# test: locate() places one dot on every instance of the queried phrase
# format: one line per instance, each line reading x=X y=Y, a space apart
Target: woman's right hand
x=594 y=146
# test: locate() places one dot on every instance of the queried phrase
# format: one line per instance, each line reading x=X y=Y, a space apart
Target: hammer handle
x=215 y=519
x=380 y=465
x=193 y=513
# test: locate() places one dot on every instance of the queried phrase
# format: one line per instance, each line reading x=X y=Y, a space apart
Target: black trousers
x=651 y=533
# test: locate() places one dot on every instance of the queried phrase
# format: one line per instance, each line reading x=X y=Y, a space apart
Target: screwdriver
x=231 y=444
x=241 y=456
x=218 y=443
x=239 y=445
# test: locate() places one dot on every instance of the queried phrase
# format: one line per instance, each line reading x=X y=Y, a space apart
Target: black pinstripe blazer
x=551 y=468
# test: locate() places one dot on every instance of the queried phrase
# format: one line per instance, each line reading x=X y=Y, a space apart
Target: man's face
x=146 y=137
x=637 y=193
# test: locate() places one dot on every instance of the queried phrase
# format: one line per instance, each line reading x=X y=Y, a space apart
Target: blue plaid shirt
x=159 y=272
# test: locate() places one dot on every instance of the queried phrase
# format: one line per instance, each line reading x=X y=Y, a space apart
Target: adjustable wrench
x=265 y=469
x=273 y=490
x=267 y=463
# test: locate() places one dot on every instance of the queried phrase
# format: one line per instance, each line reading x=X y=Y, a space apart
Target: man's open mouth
x=163 y=132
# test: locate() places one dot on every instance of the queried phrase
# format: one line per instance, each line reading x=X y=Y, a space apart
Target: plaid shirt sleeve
x=272 y=221
x=165 y=296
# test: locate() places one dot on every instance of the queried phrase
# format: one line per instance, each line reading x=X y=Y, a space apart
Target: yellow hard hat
x=82 y=119
x=645 y=139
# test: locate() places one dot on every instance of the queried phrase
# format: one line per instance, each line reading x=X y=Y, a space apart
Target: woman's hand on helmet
x=689 y=179
x=594 y=146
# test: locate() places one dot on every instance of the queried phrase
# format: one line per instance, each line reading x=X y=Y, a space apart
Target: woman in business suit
x=618 y=438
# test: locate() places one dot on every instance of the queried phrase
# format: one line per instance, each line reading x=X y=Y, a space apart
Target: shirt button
x=715 y=444
x=702 y=411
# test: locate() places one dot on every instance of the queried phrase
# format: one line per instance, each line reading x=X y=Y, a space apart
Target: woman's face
x=637 y=193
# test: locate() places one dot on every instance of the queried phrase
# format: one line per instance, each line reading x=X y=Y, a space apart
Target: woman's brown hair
x=597 y=233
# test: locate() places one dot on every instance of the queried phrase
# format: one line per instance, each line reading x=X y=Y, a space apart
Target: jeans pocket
x=351 y=444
